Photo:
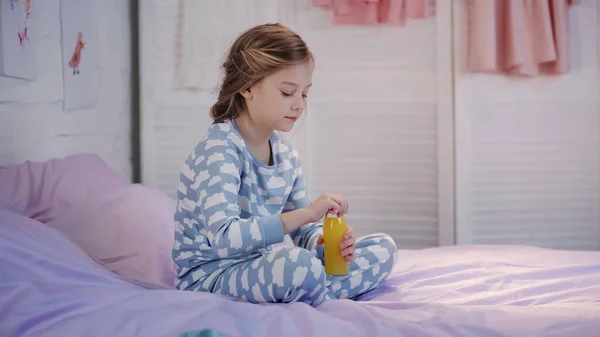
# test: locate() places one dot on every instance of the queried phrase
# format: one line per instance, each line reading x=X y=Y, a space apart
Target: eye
x=304 y=95
x=286 y=94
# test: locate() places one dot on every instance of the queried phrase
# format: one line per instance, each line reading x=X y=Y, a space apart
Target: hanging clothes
x=519 y=37
x=368 y=12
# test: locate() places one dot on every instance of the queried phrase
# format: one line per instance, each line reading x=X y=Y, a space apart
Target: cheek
x=278 y=106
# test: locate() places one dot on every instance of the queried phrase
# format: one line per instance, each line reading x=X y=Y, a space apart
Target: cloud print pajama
x=227 y=223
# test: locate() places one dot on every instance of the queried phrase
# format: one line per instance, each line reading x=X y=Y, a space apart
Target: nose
x=298 y=104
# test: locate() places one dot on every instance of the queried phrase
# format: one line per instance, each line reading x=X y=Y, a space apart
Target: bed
x=55 y=283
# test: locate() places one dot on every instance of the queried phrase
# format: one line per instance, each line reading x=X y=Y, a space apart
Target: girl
x=241 y=190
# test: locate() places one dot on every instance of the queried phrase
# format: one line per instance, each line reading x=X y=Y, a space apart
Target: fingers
x=348 y=233
x=348 y=251
x=348 y=247
x=334 y=207
x=347 y=243
x=341 y=202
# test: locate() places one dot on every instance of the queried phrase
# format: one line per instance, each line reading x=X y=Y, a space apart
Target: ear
x=246 y=93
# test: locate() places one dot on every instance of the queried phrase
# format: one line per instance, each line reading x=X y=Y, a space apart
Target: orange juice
x=334 y=229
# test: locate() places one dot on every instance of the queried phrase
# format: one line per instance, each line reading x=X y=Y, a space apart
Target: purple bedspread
x=49 y=287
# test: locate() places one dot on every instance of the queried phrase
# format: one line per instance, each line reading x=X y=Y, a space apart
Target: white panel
x=178 y=130
x=372 y=121
x=383 y=159
x=371 y=84
x=163 y=144
x=528 y=155
x=536 y=181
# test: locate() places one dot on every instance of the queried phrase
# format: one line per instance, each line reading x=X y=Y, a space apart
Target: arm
x=307 y=234
x=214 y=195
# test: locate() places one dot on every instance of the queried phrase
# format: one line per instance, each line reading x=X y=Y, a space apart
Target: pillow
x=44 y=190
x=30 y=251
x=129 y=231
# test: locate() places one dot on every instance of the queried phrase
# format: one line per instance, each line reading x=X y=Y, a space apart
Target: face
x=279 y=100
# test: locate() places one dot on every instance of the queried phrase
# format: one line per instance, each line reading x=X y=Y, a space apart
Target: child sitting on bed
x=241 y=190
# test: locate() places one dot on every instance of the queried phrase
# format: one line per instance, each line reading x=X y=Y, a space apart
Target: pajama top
x=229 y=205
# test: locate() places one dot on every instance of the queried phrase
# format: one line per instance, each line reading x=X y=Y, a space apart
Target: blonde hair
x=255 y=54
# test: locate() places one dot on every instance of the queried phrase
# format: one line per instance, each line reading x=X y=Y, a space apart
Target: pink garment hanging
x=519 y=37
x=367 y=12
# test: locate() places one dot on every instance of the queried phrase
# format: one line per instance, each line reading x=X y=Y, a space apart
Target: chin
x=285 y=125
x=285 y=128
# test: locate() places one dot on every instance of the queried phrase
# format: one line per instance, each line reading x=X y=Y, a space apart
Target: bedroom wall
x=33 y=125
x=525 y=151
x=368 y=81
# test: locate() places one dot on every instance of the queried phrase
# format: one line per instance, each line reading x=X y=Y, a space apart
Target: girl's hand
x=327 y=203
x=347 y=247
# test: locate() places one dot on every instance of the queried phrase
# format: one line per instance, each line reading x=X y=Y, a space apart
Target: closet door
x=528 y=150
x=378 y=127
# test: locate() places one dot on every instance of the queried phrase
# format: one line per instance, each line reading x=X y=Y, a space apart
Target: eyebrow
x=294 y=84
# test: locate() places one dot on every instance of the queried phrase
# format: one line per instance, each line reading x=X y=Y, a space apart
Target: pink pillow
x=44 y=190
x=129 y=231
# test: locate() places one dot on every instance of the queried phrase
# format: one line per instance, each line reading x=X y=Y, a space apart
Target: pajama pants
x=298 y=275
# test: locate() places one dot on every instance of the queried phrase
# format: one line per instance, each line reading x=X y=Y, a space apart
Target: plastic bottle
x=334 y=228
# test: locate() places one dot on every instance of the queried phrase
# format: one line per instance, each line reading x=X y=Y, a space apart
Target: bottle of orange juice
x=334 y=228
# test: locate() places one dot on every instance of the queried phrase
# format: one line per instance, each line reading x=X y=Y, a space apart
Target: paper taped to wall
x=79 y=49
x=18 y=41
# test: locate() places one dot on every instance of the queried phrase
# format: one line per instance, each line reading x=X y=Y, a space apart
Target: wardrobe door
x=378 y=127
x=528 y=150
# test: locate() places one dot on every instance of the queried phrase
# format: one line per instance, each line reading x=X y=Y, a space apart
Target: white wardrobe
x=422 y=150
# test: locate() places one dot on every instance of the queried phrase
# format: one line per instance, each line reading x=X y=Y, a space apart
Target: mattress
x=50 y=287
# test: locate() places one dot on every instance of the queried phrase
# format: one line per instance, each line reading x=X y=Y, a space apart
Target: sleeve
x=307 y=235
x=215 y=188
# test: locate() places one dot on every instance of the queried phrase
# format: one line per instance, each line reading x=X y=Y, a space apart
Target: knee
x=382 y=241
x=384 y=249
x=390 y=245
x=304 y=266
x=301 y=267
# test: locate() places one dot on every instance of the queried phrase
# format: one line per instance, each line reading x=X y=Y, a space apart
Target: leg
x=374 y=259
x=287 y=275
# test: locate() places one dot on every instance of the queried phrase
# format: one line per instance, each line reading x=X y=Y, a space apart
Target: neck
x=253 y=135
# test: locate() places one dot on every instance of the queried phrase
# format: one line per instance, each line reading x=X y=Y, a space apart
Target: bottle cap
x=331 y=215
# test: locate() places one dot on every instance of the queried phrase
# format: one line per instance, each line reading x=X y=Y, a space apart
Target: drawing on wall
x=79 y=53
x=17 y=40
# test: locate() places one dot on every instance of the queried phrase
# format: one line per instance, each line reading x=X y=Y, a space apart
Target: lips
x=293 y=119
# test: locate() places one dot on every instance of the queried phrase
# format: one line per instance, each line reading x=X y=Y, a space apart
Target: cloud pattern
x=228 y=212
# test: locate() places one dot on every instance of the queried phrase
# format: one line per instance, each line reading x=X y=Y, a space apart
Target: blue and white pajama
x=294 y=274
x=228 y=220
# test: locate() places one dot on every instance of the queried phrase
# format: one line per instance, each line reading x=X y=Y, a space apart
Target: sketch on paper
x=76 y=58
x=79 y=53
x=17 y=43
x=21 y=23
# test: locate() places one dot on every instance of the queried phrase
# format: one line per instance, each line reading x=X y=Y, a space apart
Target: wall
x=525 y=151
x=528 y=150
x=33 y=124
